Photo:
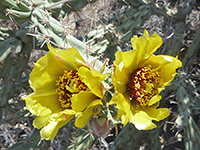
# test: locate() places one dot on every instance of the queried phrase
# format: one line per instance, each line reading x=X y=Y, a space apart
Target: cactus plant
x=185 y=119
x=131 y=138
x=192 y=50
x=15 y=52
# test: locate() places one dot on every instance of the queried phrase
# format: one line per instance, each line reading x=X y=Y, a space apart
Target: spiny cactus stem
x=8 y=3
x=55 y=4
x=18 y=14
x=157 y=10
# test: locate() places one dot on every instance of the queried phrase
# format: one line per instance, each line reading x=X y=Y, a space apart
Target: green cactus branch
x=131 y=138
x=192 y=50
x=185 y=119
x=14 y=57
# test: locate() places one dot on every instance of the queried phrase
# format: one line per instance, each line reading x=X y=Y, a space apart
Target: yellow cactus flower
x=63 y=87
x=138 y=78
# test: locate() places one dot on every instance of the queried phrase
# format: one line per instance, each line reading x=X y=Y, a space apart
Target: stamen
x=142 y=86
x=68 y=84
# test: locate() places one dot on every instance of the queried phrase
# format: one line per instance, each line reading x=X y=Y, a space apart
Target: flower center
x=68 y=84
x=142 y=86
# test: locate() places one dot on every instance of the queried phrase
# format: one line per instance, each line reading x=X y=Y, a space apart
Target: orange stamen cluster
x=68 y=84
x=142 y=86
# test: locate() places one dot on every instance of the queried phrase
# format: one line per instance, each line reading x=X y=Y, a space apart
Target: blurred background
x=99 y=28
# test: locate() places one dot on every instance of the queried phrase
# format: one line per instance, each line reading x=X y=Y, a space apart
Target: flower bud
x=99 y=126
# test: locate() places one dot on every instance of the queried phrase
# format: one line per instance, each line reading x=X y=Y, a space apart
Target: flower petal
x=92 y=80
x=48 y=69
x=83 y=117
x=95 y=103
x=55 y=122
x=69 y=55
x=81 y=100
x=98 y=74
x=127 y=57
x=154 y=42
x=40 y=121
x=134 y=114
x=51 y=129
x=114 y=99
x=154 y=100
x=157 y=114
x=145 y=46
x=142 y=121
x=166 y=66
x=123 y=106
x=120 y=79
x=122 y=65
x=142 y=116
x=43 y=102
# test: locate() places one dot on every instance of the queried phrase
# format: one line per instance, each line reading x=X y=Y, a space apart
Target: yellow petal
x=154 y=100
x=114 y=99
x=142 y=121
x=123 y=103
x=166 y=66
x=123 y=67
x=120 y=78
x=134 y=114
x=42 y=103
x=124 y=119
x=47 y=70
x=40 y=121
x=63 y=115
x=49 y=131
x=98 y=74
x=69 y=55
x=95 y=103
x=139 y=44
x=154 y=42
x=83 y=117
x=55 y=121
x=93 y=82
x=146 y=34
x=145 y=46
x=81 y=100
x=142 y=116
x=127 y=57
x=157 y=114
x=123 y=106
